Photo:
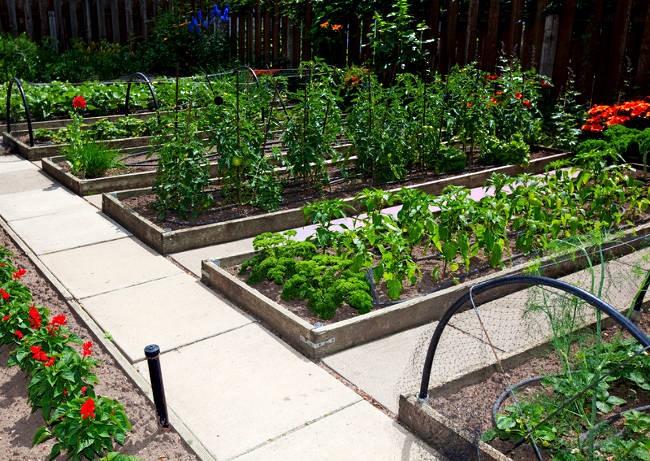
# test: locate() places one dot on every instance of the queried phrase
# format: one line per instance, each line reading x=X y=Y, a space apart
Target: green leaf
x=42 y=434
x=603 y=407
x=56 y=450
x=614 y=400
x=505 y=422
x=489 y=435
x=394 y=288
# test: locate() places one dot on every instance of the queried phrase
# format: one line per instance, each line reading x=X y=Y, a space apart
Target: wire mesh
x=541 y=374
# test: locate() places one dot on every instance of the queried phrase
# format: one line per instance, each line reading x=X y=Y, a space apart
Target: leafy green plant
x=565 y=120
x=239 y=132
x=397 y=43
x=86 y=157
x=19 y=57
x=497 y=152
x=183 y=173
x=323 y=213
x=60 y=378
x=376 y=128
x=313 y=127
x=85 y=427
x=326 y=281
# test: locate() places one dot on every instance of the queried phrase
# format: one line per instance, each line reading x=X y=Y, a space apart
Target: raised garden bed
x=165 y=240
x=457 y=412
x=318 y=340
x=38 y=152
x=56 y=168
x=62 y=122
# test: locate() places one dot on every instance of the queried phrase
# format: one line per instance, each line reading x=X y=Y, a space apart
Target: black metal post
x=152 y=352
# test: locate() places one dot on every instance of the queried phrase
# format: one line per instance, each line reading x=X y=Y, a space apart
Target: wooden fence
x=604 y=44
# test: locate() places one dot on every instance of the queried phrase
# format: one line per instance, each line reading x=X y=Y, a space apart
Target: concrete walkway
x=235 y=390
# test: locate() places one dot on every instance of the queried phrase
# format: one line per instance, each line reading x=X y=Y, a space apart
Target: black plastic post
x=152 y=352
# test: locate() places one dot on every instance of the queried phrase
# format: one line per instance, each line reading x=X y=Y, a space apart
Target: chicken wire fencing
x=546 y=372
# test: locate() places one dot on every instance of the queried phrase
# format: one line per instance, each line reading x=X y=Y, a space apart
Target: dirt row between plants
x=18 y=425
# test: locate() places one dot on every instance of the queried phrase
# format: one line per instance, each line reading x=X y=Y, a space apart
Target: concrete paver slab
x=170 y=312
x=237 y=390
x=393 y=365
x=191 y=259
x=9 y=158
x=107 y=266
x=67 y=229
x=34 y=203
x=19 y=177
x=95 y=200
x=339 y=437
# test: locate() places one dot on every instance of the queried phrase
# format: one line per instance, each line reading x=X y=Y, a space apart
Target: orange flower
x=526 y=102
x=336 y=27
x=325 y=24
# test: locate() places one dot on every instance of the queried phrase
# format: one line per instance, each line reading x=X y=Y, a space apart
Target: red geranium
x=18 y=274
x=78 y=102
x=4 y=294
x=6 y=317
x=19 y=334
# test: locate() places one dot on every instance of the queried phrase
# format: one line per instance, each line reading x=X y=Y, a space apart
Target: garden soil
x=18 y=424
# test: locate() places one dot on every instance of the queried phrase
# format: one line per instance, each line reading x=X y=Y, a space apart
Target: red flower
x=2 y=264
x=83 y=390
x=58 y=320
x=6 y=317
x=78 y=102
x=87 y=410
x=498 y=93
x=50 y=362
x=4 y=294
x=39 y=354
x=493 y=101
x=491 y=77
x=544 y=83
x=34 y=318
x=526 y=102
x=65 y=392
x=87 y=348
x=19 y=273
x=468 y=105
x=19 y=334
x=519 y=95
